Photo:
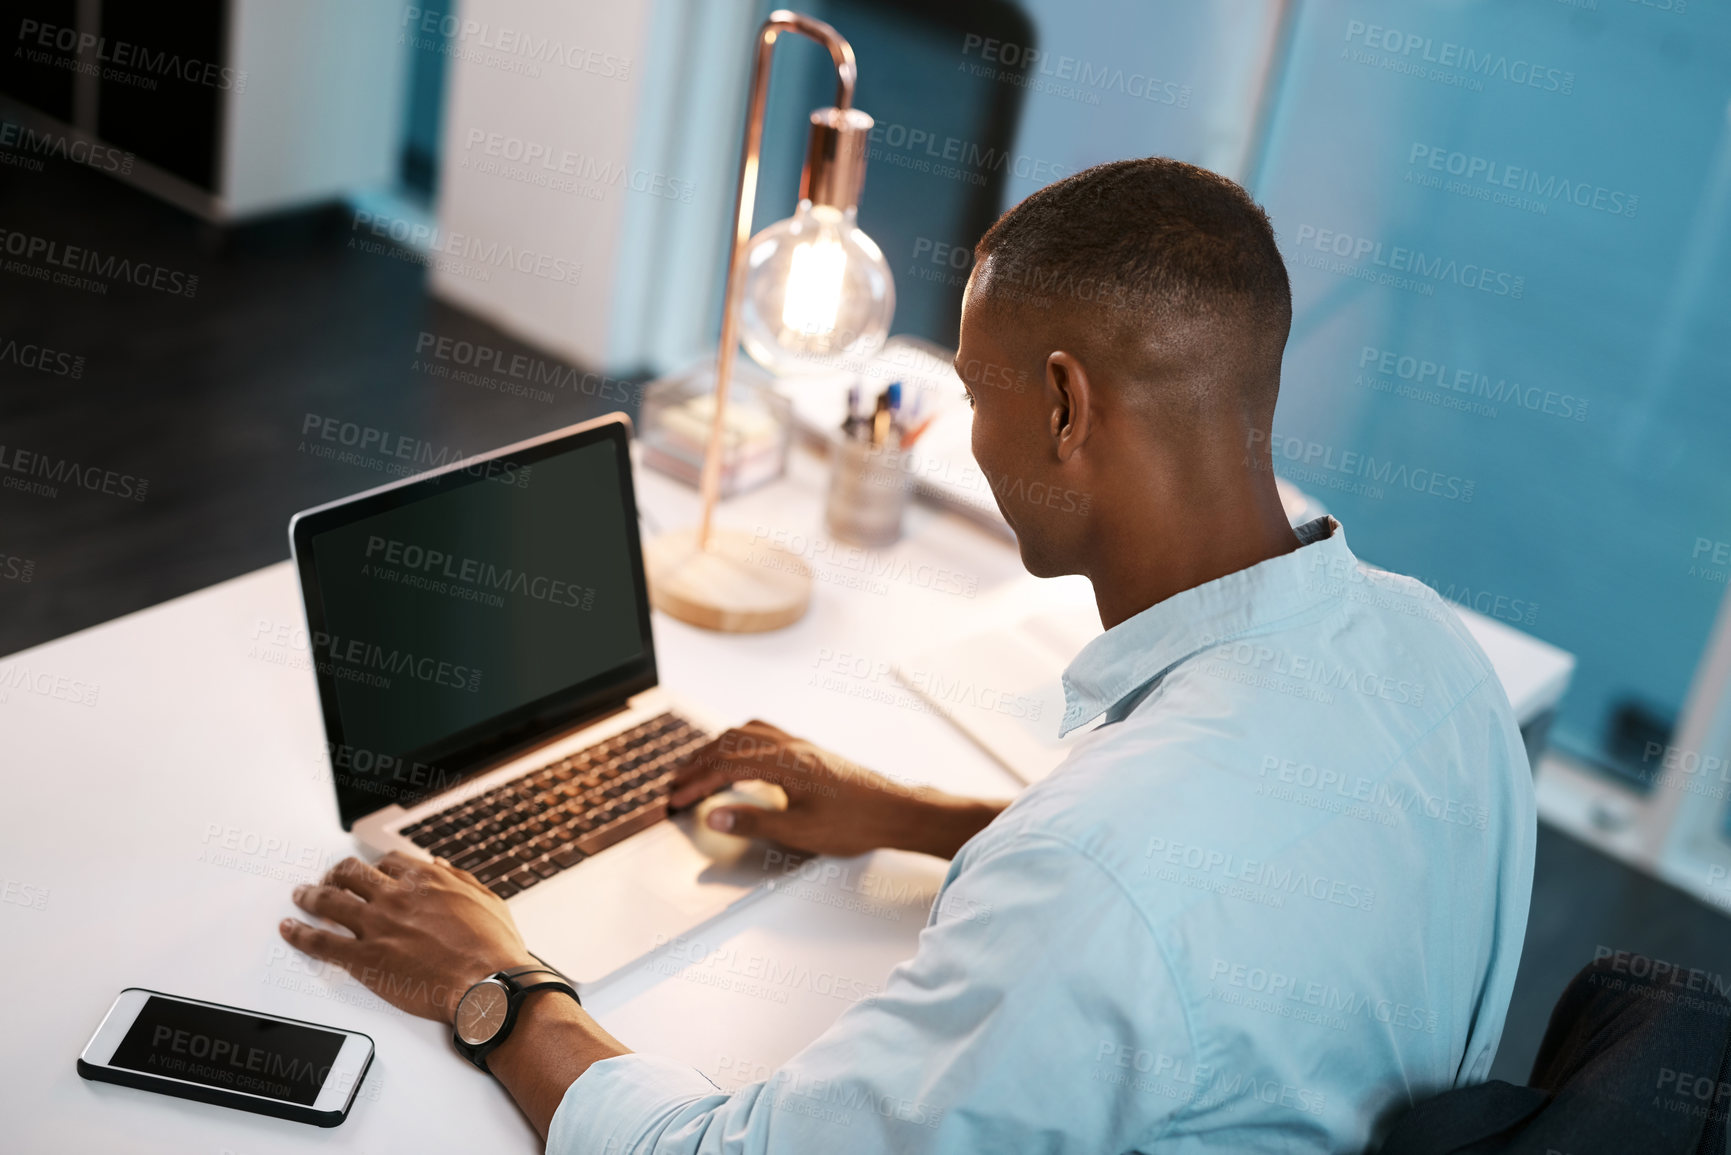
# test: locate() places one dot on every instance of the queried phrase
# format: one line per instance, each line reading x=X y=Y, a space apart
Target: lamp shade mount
x=835 y=158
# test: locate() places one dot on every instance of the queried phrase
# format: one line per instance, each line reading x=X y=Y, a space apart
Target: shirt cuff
x=624 y=1099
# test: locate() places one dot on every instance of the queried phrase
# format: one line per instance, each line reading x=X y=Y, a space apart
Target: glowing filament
x=814 y=287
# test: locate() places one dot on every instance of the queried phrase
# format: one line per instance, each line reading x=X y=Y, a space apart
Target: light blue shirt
x=1277 y=897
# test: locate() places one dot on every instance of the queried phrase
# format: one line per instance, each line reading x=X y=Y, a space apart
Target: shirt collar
x=1124 y=659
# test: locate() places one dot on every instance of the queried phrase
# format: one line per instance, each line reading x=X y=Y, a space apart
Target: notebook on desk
x=1000 y=685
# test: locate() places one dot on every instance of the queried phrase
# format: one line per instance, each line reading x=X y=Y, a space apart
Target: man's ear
x=1070 y=401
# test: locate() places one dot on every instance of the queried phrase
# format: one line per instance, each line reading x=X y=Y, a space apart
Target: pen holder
x=868 y=490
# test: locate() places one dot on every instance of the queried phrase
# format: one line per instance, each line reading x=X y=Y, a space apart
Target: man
x=1275 y=897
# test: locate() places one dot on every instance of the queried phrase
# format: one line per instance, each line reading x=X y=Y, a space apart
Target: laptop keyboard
x=549 y=820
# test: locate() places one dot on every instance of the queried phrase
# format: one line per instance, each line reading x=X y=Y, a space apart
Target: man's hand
x=422 y=932
x=425 y=932
x=833 y=806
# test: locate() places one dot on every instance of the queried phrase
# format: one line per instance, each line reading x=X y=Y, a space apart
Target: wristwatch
x=488 y=1010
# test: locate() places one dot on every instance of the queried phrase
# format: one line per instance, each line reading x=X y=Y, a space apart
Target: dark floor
x=207 y=398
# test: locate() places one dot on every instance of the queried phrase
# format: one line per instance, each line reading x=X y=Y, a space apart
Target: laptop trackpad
x=630 y=899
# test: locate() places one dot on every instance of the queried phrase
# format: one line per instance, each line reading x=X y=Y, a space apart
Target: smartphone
x=233 y=1058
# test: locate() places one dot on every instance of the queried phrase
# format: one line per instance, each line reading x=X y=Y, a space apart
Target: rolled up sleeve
x=1013 y=1028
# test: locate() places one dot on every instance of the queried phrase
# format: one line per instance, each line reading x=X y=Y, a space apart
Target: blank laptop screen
x=470 y=613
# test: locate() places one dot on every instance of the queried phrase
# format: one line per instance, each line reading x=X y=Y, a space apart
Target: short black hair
x=1150 y=239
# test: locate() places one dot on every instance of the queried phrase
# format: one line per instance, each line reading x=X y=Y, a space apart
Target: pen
x=852 y=423
x=914 y=433
x=913 y=409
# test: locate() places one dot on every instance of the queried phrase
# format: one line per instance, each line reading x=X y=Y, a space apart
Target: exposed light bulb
x=814 y=287
x=817 y=290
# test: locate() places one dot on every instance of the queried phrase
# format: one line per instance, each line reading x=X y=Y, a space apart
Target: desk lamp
x=805 y=292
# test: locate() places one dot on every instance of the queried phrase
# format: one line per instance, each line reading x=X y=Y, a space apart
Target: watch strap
x=511 y=976
x=518 y=992
x=557 y=984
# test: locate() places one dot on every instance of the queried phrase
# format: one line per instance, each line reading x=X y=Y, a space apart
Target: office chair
x=1622 y=1070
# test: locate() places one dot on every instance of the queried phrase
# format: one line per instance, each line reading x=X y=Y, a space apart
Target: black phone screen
x=230 y=1050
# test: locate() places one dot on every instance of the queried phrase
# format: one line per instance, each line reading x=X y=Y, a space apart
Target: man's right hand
x=833 y=806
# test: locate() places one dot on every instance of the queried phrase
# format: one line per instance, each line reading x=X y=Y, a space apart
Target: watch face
x=481 y=1014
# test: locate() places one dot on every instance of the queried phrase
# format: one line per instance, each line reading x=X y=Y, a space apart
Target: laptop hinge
x=529 y=746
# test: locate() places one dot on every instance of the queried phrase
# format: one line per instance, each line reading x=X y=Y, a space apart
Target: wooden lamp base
x=737 y=585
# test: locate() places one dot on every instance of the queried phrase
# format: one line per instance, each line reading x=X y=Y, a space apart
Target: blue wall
x=1565 y=173
x=1532 y=199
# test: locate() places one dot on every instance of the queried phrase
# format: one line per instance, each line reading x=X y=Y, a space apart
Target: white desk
x=165 y=784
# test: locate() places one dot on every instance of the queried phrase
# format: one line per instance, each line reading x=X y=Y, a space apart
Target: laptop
x=481 y=639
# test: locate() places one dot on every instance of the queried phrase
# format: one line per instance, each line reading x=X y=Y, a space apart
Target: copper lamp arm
x=841 y=52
